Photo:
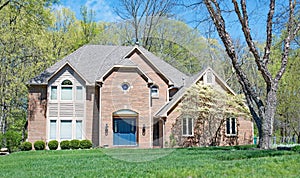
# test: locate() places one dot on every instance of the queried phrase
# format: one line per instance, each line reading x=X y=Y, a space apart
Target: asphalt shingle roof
x=93 y=61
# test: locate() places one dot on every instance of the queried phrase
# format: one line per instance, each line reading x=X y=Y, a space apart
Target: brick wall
x=173 y=128
x=137 y=99
x=37 y=108
x=113 y=98
x=92 y=114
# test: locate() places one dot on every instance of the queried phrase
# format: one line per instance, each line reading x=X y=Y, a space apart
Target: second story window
x=66 y=90
x=53 y=93
x=154 y=91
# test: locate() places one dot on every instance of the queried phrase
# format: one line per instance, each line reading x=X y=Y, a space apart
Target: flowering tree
x=209 y=107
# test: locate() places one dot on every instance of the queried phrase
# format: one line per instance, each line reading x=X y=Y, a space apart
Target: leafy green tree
x=64 y=34
x=23 y=52
x=287 y=113
x=88 y=26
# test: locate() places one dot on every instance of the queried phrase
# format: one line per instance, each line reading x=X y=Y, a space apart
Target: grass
x=187 y=162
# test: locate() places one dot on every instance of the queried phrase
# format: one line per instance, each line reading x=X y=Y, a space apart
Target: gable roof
x=93 y=61
x=163 y=112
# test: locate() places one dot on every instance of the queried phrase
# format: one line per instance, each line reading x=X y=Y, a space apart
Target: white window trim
x=73 y=119
x=74 y=129
x=230 y=124
x=187 y=127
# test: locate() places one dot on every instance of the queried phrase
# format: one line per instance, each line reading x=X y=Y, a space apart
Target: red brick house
x=114 y=96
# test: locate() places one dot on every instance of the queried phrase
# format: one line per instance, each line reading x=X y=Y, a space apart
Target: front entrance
x=125 y=132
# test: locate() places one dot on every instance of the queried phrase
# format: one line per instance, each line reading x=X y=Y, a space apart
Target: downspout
x=100 y=109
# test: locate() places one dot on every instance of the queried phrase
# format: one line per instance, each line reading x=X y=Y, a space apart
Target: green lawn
x=189 y=162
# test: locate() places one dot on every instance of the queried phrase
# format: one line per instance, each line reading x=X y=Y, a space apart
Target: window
x=66 y=129
x=66 y=82
x=154 y=91
x=231 y=126
x=66 y=90
x=52 y=129
x=78 y=129
x=53 y=93
x=79 y=93
x=187 y=126
x=125 y=86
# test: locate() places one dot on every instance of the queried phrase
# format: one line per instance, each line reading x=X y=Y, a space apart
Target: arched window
x=66 y=90
x=154 y=91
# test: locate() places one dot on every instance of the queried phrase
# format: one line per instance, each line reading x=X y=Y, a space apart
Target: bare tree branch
x=291 y=35
x=4 y=4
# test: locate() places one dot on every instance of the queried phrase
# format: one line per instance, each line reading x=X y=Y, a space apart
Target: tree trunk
x=265 y=140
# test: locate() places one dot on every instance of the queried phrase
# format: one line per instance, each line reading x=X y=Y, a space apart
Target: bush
x=39 y=145
x=26 y=146
x=53 y=145
x=85 y=144
x=1 y=140
x=296 y=148
x=74 y=144
x=65 y=145
x=13 y=140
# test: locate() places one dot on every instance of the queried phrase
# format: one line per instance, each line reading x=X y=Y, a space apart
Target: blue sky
x=103 y=8
x=105 y=12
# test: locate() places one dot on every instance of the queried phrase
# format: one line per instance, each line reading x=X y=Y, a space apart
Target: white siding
x=65 y=111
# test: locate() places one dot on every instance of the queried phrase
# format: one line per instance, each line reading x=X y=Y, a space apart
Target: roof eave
x=73 y=68
x=169 y=81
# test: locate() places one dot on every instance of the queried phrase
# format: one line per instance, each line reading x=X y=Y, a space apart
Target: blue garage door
x=124 y=131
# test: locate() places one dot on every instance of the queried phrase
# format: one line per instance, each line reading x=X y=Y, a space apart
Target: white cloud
x=103 y=11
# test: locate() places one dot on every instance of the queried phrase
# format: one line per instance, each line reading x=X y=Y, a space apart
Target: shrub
x=53 y=145
x=85 y=144
x=296 y=148
x=13 y=140
x=74 y=144
x=26 y=146
x=39 y=145
x=65 y=145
